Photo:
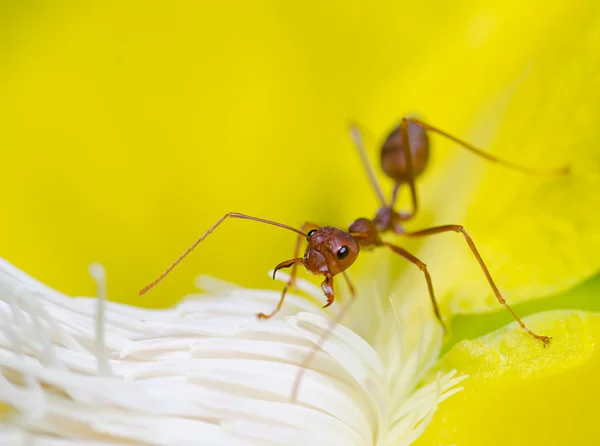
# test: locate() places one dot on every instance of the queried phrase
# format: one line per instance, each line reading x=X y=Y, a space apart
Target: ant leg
x=359 y=143
x=293 y=263
x=412 y=259
x=327 y=286
x=306 y=227
x=469 y=240
x=404 y=135
x=206 y=234
x=481 y=153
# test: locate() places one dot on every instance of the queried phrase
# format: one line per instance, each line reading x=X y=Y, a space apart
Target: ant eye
x=343 y=252
x=311 y=232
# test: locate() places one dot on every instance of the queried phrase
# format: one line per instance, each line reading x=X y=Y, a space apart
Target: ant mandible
x=330 y=251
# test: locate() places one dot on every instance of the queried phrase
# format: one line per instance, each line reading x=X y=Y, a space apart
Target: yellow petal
x=520 y=393
x=539 y=235
x=473 y=325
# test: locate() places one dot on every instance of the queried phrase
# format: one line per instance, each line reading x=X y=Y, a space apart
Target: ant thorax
x=366 y=233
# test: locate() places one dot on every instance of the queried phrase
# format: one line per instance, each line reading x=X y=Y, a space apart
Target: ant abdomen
x=393 y=154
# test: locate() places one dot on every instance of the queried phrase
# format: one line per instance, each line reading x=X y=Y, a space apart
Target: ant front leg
x=306 y=227
x=293 y=263
x=486 y=272
x=423 y=267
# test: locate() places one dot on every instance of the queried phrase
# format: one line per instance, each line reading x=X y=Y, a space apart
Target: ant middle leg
x=306 y=227
x=423 y=267
x=486 y=272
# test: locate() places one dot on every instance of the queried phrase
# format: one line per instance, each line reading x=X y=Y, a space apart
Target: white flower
x=207 y=372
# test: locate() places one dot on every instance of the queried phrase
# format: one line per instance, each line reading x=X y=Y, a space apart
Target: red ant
x=330 y=251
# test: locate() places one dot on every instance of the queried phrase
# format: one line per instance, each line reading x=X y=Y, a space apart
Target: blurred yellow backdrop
x=128 y=128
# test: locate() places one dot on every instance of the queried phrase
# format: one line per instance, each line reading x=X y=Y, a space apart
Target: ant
x=330 y=251
x=404 y=157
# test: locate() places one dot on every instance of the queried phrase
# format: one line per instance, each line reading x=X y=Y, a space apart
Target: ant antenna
x=206 y=234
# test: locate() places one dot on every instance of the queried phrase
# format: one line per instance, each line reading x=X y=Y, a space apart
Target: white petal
x=206 y=372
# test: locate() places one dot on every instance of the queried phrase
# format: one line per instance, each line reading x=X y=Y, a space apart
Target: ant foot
x=262 y=316
x=544 y=339
x=445 y=328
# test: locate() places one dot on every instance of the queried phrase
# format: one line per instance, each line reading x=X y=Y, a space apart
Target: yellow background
x=128 y=128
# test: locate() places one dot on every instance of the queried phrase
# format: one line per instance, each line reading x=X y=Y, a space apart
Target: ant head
x=330 y=251
x=393 y=153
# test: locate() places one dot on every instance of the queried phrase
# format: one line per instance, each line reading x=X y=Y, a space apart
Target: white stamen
x=99 y=275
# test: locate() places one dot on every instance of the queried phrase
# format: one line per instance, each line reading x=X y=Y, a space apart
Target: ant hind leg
x=486 y=272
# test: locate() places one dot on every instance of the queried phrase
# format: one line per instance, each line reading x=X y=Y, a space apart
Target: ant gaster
x=330 y=251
